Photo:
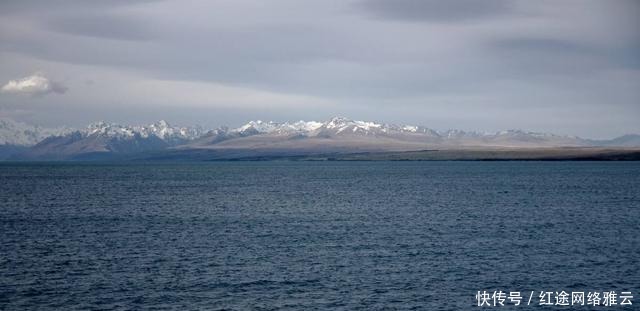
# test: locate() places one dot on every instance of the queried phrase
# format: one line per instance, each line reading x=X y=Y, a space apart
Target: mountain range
x=258 y=139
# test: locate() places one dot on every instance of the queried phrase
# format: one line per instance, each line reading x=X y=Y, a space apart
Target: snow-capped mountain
x=337 y=135
x=22 y=134
x=340 y=127
x=260 y=127
x=111 y=138
x=334 y=126
x=160 y=129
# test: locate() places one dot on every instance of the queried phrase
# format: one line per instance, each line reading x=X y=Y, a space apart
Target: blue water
x=313 y=235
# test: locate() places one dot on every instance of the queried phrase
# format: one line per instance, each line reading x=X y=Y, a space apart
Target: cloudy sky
x=569 y=67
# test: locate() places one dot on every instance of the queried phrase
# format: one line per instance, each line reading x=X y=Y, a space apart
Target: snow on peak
x=410 y=128
x=161 y=123
x=103 y=128
x=338 y=122
x=304 y=125
x=336 y=125
x=261 y=127
x=18 y=133
x=161 y=129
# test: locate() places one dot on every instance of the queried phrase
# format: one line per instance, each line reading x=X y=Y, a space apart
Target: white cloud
x=36 y=85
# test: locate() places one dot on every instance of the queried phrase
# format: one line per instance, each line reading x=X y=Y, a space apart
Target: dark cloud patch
x=628 y=56
x=107 y=26
x=523 y=58
x=546 y=45
x=540 y=55
x=437 y=10
x=47 y=7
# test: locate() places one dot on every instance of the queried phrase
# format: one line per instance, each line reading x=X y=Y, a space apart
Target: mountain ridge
x=336 y=135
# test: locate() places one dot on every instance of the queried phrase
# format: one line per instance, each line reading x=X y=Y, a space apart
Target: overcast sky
x=568 y=67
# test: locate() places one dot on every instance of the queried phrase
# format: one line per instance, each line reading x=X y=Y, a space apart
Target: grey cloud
x=65 y=6
x=548 y=55
x=307 y=57
x=522 y=57
x=436 y=10
x=109 y=26
x=35 y=85
x=483 y=51
x=541 y=44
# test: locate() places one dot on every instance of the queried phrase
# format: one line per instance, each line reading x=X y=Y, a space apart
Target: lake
x=313 y=235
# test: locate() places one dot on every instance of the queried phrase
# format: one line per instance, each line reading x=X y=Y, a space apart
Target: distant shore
x=499 y=154
x=460 y=154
